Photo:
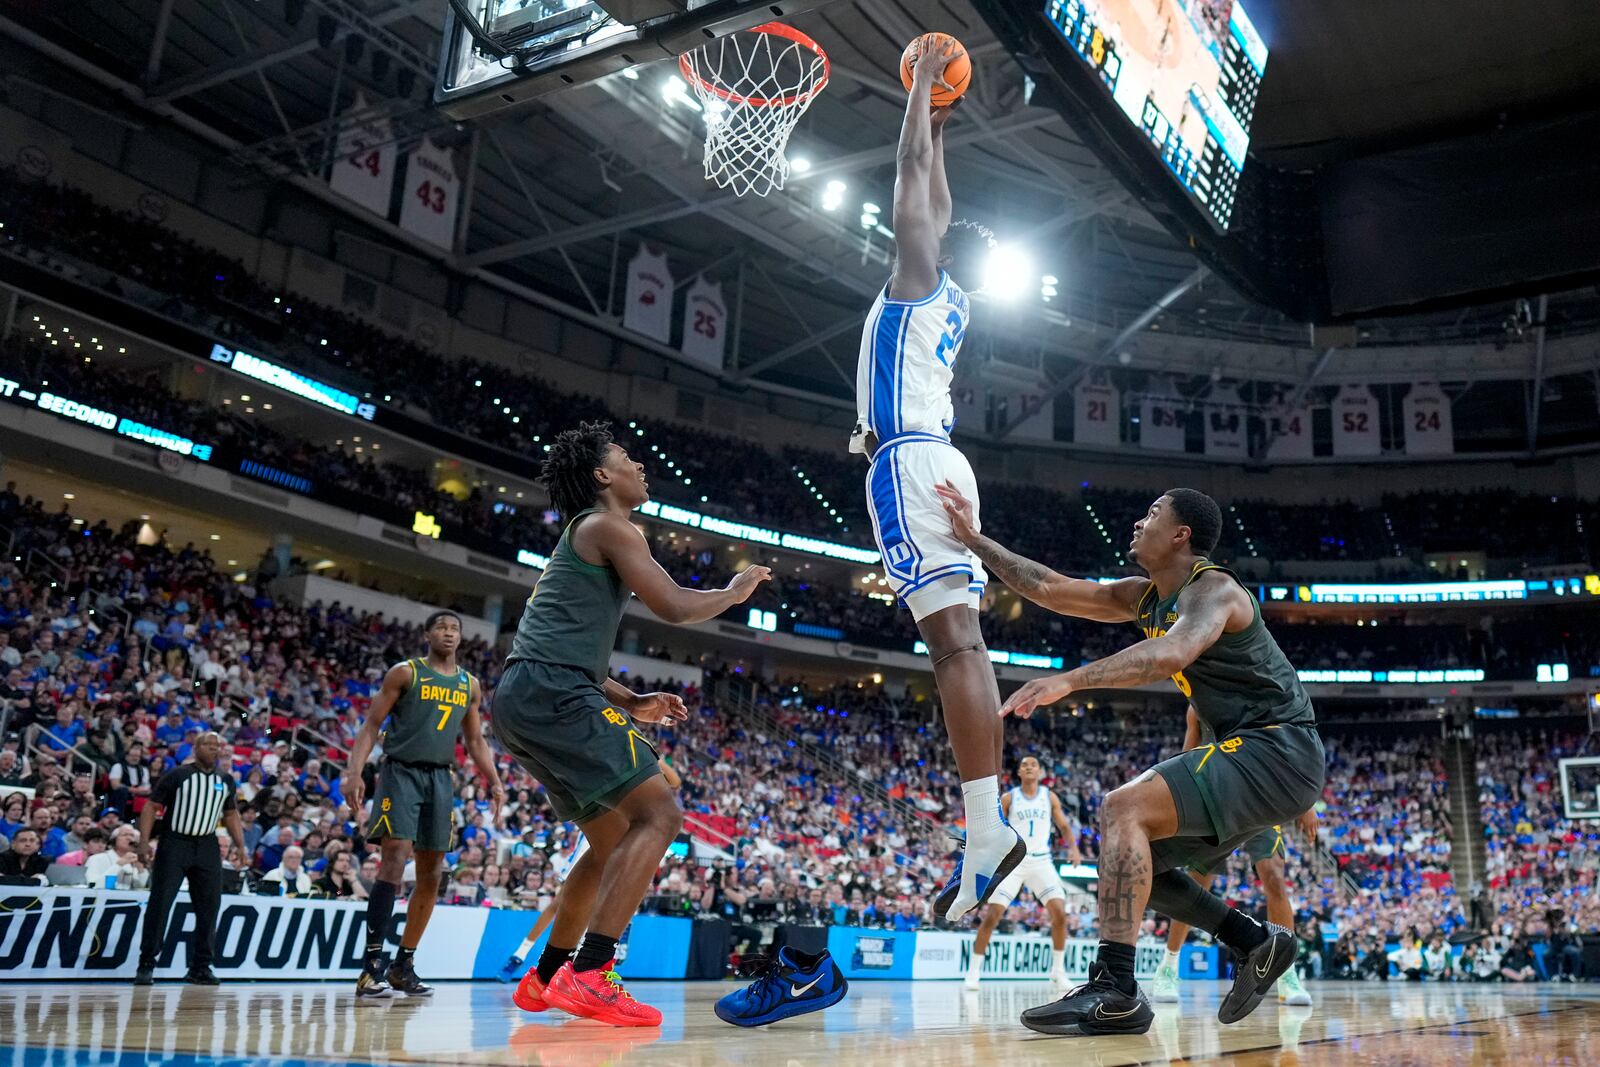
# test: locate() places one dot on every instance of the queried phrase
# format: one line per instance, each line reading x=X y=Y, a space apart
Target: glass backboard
x=1580 y=787
x=499 y=53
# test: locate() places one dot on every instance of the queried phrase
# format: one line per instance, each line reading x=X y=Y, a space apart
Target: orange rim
x=775 y=29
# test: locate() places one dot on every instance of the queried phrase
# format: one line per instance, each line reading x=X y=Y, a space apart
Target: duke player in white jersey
x=908 y=349
x=1035 y=812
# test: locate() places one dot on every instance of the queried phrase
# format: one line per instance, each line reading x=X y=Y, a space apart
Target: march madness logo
x=873 y=954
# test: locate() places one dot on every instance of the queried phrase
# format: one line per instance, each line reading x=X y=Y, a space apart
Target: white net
x=753 y=87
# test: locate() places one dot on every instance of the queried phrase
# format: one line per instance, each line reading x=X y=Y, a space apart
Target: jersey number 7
x=447 y=709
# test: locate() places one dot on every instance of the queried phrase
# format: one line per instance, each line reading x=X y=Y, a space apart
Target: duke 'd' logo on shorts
x=899 y=554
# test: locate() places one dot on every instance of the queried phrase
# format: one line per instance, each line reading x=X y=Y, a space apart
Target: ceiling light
x=1007 y=272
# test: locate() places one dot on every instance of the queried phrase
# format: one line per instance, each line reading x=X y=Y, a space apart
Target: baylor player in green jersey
x=427 y=703
x=575 y=730
x=1203 y=630
x=1266 y=853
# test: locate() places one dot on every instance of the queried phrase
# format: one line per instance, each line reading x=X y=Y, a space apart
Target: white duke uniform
x=1033 y=820
x=903 y=375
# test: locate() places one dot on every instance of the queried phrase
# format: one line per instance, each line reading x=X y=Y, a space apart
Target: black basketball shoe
x=1254 y=975
x=201 y=976
x=1096 y=1007
x=403 y=978
x=370 y=985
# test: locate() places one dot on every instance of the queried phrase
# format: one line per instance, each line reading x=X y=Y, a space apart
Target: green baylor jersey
x=572 y=615
x=426 y=719
x=1243 y=681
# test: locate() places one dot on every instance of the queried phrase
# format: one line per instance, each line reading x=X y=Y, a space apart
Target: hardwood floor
x=883 y=1024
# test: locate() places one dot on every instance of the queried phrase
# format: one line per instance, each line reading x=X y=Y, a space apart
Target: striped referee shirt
x=195 y=800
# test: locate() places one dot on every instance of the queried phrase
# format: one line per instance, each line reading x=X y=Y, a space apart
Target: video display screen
x=1186 y=73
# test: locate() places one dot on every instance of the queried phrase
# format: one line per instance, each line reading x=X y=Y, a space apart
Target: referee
x=194 y=798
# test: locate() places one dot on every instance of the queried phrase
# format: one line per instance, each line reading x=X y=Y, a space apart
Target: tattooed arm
x=1113 y=602
x=1206 y=609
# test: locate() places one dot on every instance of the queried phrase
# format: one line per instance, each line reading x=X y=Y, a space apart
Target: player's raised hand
x=934 y=54
x=963 y=523
x=744 y=583
x=659 y=707
x=1036 y=694
x=941 y=115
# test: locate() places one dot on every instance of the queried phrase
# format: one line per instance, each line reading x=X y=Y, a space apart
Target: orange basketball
x=958 y=75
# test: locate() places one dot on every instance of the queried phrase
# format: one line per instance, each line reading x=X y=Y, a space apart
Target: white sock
x=524 y=948
x=1172 y=958
x=981 y=799
x=976 y=966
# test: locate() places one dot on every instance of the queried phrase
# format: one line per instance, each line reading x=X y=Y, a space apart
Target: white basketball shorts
x=926 y=566
x=1035 y=873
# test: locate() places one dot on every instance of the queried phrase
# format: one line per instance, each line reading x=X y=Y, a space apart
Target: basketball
x=958 y=75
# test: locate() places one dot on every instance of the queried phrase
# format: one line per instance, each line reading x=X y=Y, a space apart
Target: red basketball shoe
x=598 y=995
x=529 y=994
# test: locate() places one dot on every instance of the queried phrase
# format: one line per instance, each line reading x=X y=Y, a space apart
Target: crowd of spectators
x=830 y=804
x=1539 y=861
x=865 y=615
x=806 y=490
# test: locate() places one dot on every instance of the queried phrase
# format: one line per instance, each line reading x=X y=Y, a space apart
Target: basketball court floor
x=882 y=1024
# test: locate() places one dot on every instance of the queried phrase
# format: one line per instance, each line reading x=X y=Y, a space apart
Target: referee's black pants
x=177 y=858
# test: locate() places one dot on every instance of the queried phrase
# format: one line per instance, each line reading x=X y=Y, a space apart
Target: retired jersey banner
x=1097 y=415
x=943 y=954
x=648 y=296
x=364 y=159
x=1289 y=433
x=1430 y=431
x=1355 y=422
x=1226 y=423
x=432 y=195
x=705 y=324
x=1162 y=420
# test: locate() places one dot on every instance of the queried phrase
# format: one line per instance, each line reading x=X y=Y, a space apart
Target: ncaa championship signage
x=948 y=954
x=77 y=933
x=65 y=933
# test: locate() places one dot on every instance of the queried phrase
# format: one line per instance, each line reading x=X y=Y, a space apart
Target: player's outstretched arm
x=622 y=545
x=395 y=683
x=1204 y=610
x=1112 y=602
x=916 y=226
x=478 y=748
x=1064 y=826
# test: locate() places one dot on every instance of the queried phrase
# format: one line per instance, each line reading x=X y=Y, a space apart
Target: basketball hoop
x=753 y=87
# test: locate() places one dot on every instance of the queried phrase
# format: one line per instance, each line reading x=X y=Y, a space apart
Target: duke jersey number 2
x=908 y=356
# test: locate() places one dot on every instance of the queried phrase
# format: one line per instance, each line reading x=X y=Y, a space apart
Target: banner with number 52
x=432 y=194
x=363 y=168
x=1355 y=422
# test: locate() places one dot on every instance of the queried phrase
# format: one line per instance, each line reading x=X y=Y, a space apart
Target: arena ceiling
x=565 y=187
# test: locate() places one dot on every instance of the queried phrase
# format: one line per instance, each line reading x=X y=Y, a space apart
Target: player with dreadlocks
x=574 y=729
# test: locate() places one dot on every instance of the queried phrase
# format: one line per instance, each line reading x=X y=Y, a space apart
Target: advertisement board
x=944 y=954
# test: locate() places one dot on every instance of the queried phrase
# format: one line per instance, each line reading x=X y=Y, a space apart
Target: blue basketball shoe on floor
x=788 y=984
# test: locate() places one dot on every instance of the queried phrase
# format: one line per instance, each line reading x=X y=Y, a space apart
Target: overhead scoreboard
x=1184 y=72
